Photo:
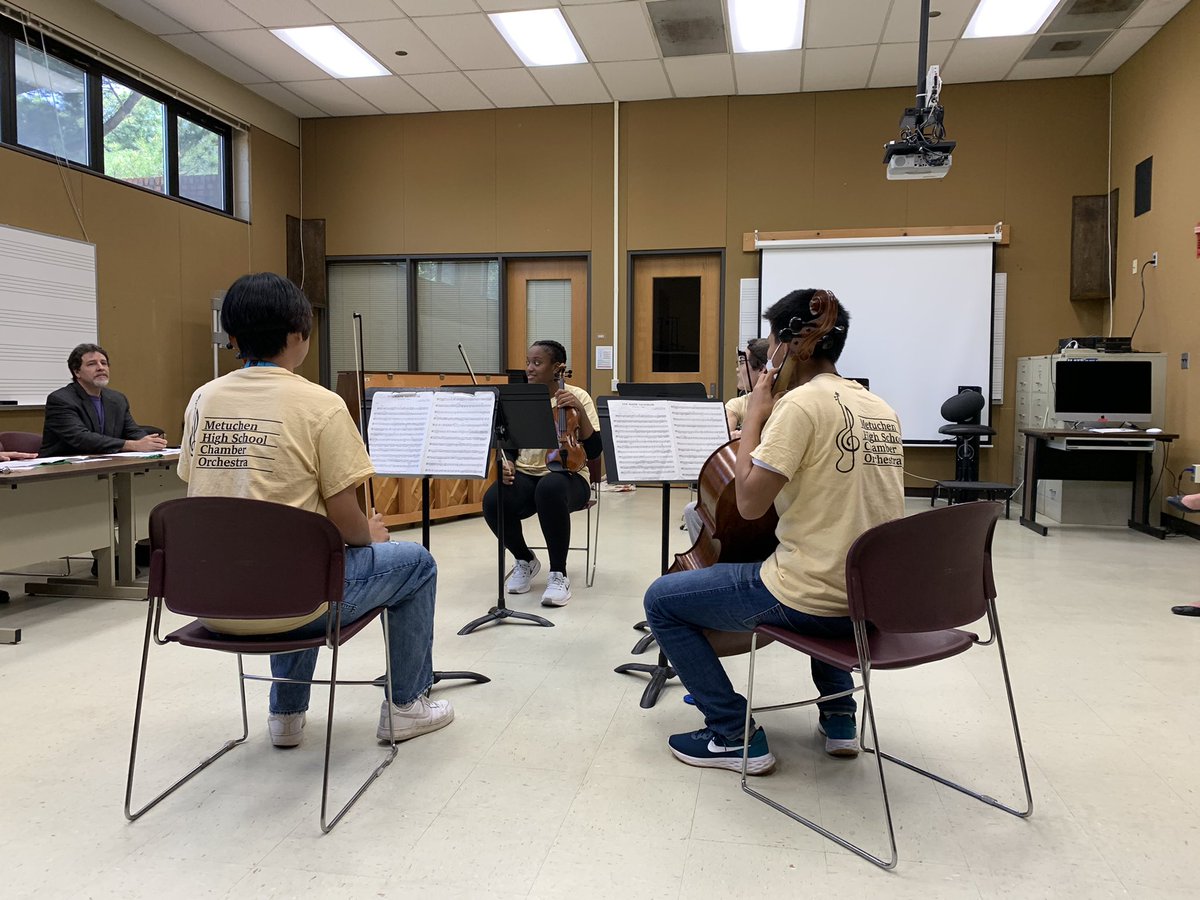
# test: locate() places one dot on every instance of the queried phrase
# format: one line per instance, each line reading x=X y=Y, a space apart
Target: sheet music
x=665 y=440
x=442 y=434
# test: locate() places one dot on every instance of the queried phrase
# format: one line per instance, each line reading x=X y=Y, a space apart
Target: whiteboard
x=920 y=316
x=47 y=308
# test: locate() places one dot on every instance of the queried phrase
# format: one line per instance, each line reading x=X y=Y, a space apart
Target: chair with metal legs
x=595 y=468
x=227 y=558
x=913 y=583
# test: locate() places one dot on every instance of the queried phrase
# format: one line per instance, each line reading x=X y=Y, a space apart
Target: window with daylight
x=135 y=136
x=52 y=104
x=458 y=301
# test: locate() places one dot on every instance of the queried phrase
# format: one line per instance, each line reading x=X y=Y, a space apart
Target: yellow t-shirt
x=737 y=406
x=839 y=446
x=533 y=462
x=264 y=433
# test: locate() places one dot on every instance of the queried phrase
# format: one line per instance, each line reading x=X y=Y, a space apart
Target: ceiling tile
x=383 y=39
x=214 y=57
x=471 y=42
x=1047 y=68
x=777 y=72
x=701 y=76
x=449 y=90
x=390 y=94
x=491 y=6
x=267 y=53
x=332 y=96
x=904 y=22
x=572 y=84
x=282 y=13
x=1119 y=48
x=844 y=23
x=284 y=98
x=635 y=80
x=611 y=32
x=985 y=59
x=209 y=15
x=357 y=10
x=1155 y=12
x=145 y=16
x=896 y=64
x=840 y=69
x=510 y=87
x=436 y=7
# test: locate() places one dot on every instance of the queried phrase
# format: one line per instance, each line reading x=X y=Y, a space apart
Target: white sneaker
x=419 y=717
x=558 y=590
x=286 y=731
x=521 y=575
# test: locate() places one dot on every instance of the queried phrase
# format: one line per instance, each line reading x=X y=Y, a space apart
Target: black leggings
x=553 y=497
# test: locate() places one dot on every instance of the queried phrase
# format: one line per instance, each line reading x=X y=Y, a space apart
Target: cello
x=726 y=536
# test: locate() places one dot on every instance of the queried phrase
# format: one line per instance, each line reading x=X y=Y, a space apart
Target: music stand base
x=659 y=675
x=460 y=676
x=499 y=614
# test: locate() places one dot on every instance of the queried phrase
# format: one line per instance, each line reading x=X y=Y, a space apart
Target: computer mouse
x=1153 y=431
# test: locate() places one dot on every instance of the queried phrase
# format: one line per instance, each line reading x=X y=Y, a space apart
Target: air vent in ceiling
x=1093 y=15
x=1056 y=46
x=689 y=27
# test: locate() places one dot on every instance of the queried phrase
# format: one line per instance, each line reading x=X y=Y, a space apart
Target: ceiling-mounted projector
x=908 y=161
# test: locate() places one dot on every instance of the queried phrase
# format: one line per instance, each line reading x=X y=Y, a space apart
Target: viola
x=570 y=454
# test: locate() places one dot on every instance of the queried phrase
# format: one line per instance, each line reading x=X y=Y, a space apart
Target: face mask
x=770 y=366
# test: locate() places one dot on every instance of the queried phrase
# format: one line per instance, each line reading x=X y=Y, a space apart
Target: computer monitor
x=1090 y=389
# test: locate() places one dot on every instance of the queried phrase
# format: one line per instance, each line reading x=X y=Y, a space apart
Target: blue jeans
x=400 y=576
x=732 y=597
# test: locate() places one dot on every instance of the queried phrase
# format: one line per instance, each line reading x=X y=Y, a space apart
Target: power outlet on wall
x=1133 y=268
x=1154 y=259
x=1185 y=359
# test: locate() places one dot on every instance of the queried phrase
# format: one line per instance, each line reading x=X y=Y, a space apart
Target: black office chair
x=963 y=411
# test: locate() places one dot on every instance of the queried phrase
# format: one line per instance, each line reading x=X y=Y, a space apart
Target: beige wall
x=158 y=263
x=1154 y=107
x=698 y=173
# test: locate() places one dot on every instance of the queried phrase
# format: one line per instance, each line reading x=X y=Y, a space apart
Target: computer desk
x=1087 y=456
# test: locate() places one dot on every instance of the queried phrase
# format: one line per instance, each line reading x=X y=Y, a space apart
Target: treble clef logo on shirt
x=848 y=443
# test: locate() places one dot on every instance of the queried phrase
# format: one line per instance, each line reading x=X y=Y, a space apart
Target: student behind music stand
x=523 y=420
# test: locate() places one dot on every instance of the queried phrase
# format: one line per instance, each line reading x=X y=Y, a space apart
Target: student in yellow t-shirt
x=265 y=433
x=547 y=489
x=827 y=455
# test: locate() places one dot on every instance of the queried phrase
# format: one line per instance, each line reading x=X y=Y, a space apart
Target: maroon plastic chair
x=916 y=581
x=227 y=558
x=595 y=469
x=21 y=441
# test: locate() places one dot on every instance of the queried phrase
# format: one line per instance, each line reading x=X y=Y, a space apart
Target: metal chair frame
x=591 y=549
x=862 y=645
x=333 y=641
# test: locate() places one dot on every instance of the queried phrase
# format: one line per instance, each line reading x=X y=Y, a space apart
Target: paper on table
x=665 y=440
x=43 y=461
x=145 y=454
x=435 y=433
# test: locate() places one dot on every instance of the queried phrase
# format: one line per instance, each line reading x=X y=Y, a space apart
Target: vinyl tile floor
x=553 y=782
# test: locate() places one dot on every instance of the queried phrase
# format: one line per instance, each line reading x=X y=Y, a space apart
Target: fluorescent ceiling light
x=1001 y=18
x=760 y=25
x=541 y=37
x=331 y=49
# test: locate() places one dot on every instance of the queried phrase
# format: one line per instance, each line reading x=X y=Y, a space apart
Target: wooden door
x=676 y=318
x=547 y=299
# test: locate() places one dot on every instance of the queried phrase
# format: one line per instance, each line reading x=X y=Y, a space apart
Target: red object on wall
x=1198 y=240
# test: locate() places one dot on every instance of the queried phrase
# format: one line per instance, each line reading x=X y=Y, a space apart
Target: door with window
x=547 y=300
x=676 y=318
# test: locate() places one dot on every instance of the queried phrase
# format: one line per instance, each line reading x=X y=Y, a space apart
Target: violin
x=570 y=454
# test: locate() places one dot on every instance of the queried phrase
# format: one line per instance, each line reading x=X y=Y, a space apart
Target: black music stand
x=457 y=675
x=661 y=671
x=687 y=390
x=523 y=421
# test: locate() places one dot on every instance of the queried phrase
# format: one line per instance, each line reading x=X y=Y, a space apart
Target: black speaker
x=1143 y=173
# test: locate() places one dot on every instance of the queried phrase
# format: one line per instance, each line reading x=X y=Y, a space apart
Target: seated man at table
x=88 y=417
x=311 y=457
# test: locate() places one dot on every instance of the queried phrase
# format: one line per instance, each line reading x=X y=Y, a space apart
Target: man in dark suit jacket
x=86 y=417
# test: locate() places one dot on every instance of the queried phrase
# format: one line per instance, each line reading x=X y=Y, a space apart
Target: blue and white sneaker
x=703 y=748
x=841 y=734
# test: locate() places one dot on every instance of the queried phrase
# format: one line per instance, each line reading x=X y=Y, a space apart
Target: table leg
x=1029 y=490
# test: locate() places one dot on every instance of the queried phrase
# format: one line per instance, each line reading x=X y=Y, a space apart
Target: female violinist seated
x=542 y=483
x=750 y=366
